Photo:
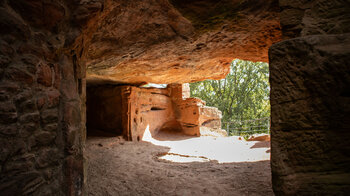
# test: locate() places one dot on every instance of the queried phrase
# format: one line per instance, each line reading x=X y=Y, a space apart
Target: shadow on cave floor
x=261 y=144
x=98 y=133
x=170 y=135
x=119 y=167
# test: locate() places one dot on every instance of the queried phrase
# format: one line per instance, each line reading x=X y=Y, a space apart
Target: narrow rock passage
x=118 y=167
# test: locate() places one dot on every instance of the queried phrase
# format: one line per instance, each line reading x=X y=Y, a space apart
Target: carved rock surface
x=133 y=112
x=177 y=41
x=310 y=109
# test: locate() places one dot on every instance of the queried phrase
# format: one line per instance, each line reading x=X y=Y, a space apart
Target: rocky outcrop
x=210 y=121
x=310 y=108
x=131 y=111
x=191 y=113
x=177 y=41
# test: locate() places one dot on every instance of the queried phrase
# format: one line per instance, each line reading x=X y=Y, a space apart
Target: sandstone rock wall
x=150 y=110
x=191 y=113
x=178 y=41
x=309 y=78
x=131 y=111
x=310 y=110
x=305 y=17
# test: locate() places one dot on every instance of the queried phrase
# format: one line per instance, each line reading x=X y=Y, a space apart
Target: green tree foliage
x=242 y=95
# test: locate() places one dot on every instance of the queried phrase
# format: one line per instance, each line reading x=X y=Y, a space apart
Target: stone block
x=44 y=75
x=18 y=75
x=47 y=157
x=9 y=130
x=29 y=118
x=45 y=138
x=8 y=117
x=49 y=116
x=12 y=25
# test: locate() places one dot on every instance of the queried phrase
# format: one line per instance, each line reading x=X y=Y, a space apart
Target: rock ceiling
x=178 y=41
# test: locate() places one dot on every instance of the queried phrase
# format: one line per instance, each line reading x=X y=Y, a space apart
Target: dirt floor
x=171 y=164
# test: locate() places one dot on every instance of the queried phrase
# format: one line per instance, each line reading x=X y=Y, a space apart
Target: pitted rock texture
x=305 y=17
x=177 y=41
x=210 y=121
x=310 y=109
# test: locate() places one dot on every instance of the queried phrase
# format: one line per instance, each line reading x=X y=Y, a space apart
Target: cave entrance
x=243 y=97
x=174 y=129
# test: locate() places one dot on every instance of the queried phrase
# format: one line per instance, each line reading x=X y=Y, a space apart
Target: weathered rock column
x=310 y=110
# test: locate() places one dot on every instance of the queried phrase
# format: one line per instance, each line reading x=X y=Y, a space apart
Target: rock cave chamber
x=66 y=62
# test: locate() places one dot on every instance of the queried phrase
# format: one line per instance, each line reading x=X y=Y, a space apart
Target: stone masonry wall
x=42 y=97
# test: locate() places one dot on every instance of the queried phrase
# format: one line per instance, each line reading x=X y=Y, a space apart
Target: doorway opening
x=104 y=111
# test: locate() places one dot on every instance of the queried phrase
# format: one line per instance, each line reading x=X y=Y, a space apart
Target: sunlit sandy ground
x=198 y=166
x=206 y=148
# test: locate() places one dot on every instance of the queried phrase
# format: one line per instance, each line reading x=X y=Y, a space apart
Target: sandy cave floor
x=171 y=164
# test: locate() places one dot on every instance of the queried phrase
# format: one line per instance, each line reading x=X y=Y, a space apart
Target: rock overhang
x=165 y=42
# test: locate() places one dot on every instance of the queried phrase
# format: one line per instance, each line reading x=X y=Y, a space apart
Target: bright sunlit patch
x=182 y=158
x=205 y=148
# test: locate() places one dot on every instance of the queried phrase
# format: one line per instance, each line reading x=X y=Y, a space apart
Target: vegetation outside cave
x=243 y=97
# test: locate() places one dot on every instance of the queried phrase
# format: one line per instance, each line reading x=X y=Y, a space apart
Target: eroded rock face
x=305 y=17
x=310 y=109
x=177 y=41
x=133 y=112
x=309 y=102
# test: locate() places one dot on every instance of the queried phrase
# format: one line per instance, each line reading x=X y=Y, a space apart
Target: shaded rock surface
x=314 y=17
x=41 y=100
x=310 y=109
